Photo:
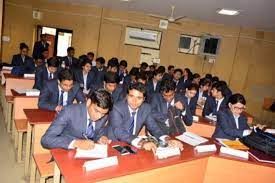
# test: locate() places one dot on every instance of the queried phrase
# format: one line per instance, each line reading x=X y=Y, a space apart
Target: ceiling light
x=228 y=12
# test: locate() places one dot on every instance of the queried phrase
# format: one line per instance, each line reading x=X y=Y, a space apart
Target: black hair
x=223 y=82
x=110 y=77
x=142 y=76
x=70 y=49
x=178 y=70
x=152 y=66
x=101 y=98
x=158 y=71
x=65 y=74
x=219 y=87
x=161 y=68
x=189 y=72
x=83 y=58
x=91 y=53
x=215 y=79
x=44 y=49
x=196 y=75
x=137 y=86
x=113 y=62
x=167 y=85
x=43 y=35
x=53 y=62
x=101 y=60
x=170 y=67
x=134 y=71
x=205 y=81
x=143 y=66
x=208 y=76
x=123 y=63
x=23 y=46
x=84 y=62
x=237 y=98
x=192 y=86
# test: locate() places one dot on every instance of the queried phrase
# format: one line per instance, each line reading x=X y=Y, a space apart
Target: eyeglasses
x=239 y=108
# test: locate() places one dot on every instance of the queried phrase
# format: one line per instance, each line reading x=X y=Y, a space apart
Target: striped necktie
x=132 y=124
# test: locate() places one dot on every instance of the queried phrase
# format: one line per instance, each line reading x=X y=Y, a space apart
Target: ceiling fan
x=171 y=18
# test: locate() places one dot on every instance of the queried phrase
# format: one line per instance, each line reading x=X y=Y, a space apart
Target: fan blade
x=157 y=16
x=178 y=18
x=172 y=11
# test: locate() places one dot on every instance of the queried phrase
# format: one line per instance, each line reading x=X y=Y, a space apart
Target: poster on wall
x=149 y=56
x=143 y=37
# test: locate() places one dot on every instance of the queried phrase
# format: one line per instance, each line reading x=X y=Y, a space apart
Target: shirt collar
x=131 y=110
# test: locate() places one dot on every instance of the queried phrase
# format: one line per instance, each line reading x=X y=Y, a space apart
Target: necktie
x=132 y=119
x=217 y=102
x=90 y=130
x=169 y=105
x=51 y=76
x=70 y=59
x=61 y=98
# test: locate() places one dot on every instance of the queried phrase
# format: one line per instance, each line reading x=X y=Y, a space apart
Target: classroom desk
x=144 y=167
x=35 y=116
x=203 y=127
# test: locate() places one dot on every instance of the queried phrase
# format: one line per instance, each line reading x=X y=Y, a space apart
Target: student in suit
x=196 y=78
x=132 y=77
x=70 y=61
x=91 y=56
x=144 y=67
x=98 y=71
x=113 y=65
x=169 y=98
x=153 y=85
x=186 y=78
x=39 y=46
x=122 y=72
x=227 y=91
x=177 y=79
x=129 y=116
x=111 y=84
x=190 y=97
x=232 y=123
x=46 y=72
x=60 y=92
x=80 y=125
x=84 y=76
x=202 y=93
x=217 y=101
x=22 y=61
x=169 y=74
x=142 y=78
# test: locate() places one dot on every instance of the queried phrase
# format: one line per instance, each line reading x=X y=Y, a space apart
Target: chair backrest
x=38 y=132
x=268 y=101
x=21 y=103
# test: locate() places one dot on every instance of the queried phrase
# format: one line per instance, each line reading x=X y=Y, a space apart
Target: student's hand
x=175 y=143
x=260 y=126
x=84 y=144
x=149 y=146
x=104 y=140
x=58 y=108
x=179 y=105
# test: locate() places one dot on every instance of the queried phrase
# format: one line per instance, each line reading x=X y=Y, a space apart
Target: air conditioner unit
x=142 y=35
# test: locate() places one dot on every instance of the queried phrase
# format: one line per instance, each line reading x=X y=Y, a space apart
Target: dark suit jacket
x=167 y=76
x=99 y=76
x=78 y=74
x=204 y=94
x=27 y=66
x=159 y=108
x=210 y=106
x=226 y=127
x=70 y=124
x=192 y=104
x=75 y=63
x=38 y=48
x=150 y=89
x=49 y=95
x=119 y=122
x=41 y=76
x=182 y=85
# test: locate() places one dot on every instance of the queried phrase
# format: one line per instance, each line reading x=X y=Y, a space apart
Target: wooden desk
x=35 y=116
x=203 y=127
x=144 y=167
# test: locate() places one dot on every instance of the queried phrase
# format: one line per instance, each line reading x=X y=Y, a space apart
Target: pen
x=85 y=136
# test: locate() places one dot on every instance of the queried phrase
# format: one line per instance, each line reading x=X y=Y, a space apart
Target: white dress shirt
x=65 y=96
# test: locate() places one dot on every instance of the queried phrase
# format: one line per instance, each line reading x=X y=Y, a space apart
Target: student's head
x=191 y=90
x=171 y=69
x=187 y=72
x=143 y=66
x=45 y=53
x=66 y=80
x=99 y=103
x=177 y=74
x=196 y=78
x=52 y=64
x=86 y=66
x=70 y=51
x=142 y=78
x=218 y=90
x=152 y=68
x=112 y=65
x=100 y=62
x=123 y=65
x=38 y=62
x=136 y=95
x=43 y=37
x=215 y=79
x=236 y=103
x=83 y=57
x=133 y=74
x=205 y=84
x=24 y=49
x=167 y=89
x=90 y=56
x=110 y=81
x=158 y=74
x=161 y=68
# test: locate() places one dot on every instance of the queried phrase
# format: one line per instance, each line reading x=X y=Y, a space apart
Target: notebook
x=261 y=156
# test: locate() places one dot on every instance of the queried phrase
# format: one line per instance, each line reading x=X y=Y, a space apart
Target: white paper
x=100 y=163
x=99 y=151
x=165 y=152
x=234 y=152
x=29 y=75
x=212 y=117
x=270 y=131
x=195 y=118
x=33 y=93
x=191 y=138
x=206 y=148
x=25 y=91
x=7 y=68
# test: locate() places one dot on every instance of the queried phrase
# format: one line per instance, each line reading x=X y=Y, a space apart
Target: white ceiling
x=258 y=14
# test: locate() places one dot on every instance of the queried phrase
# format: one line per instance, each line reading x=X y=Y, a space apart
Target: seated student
x=113 y=65
x=91 y=56
x=227 y=91
x=202 y=93
x=132 y=77
x=98 y=71
x=111 y=84
x=153 y=85
x=232 y=123
x=70 y=61
x=142 y=78
x=177 y=79
x=80 y=125
x=216 y=102
x=168 y=98
x=84 y=76
x=46 y=72
x=190 y=97
x=39 y=46
x=56 y=94
x=169 y=74
x=122 y=72
x=144 y=67
x=186 y=78
x=22 y=61
x=196 y=78
x=129 y=116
